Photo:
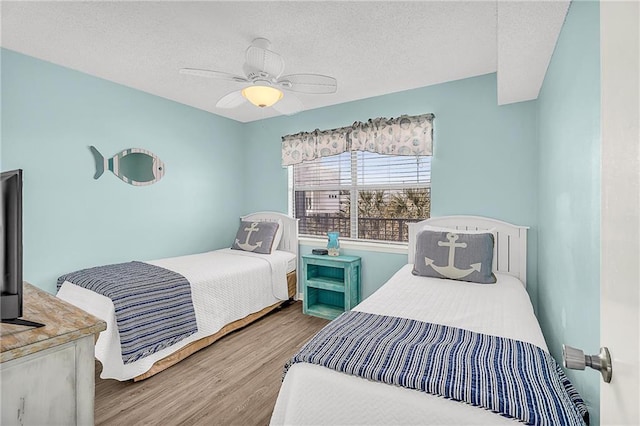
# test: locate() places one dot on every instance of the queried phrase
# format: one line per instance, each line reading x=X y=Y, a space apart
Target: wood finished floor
x=235 y=381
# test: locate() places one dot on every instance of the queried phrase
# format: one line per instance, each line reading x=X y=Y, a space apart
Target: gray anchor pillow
x=455 y=256
x=256 y=237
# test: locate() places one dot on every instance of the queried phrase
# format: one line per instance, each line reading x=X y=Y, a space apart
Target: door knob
x=575 y=359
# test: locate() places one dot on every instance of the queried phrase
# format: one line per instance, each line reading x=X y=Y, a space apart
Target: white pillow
x=278 y=237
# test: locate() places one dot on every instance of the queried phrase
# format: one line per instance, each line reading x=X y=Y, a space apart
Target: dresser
x=47 y=374
x=331 y=284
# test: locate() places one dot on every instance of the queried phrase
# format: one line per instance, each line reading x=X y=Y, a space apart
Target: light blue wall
x=50 y=115
x=485 y=157
x=569 y=195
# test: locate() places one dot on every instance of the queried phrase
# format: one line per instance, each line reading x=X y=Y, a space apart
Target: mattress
x=311 y=394
x=292 y=264
x=226 y=285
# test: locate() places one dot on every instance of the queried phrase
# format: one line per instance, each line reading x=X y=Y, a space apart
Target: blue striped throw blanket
x=153 y=305
x=512 y=378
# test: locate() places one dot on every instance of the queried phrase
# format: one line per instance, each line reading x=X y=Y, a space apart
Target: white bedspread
x=311 y=394
x=226 y=285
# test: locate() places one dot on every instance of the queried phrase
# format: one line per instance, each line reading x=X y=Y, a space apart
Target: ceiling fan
x=264 y=82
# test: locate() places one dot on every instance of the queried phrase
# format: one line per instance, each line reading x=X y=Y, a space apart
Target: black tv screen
x=11 y=206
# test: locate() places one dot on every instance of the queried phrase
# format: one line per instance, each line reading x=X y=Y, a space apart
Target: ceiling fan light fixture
x=262 y=96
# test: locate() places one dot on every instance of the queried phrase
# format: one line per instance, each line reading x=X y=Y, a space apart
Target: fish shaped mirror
x=134 y=166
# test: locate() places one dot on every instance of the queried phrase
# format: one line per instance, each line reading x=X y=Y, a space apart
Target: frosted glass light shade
x=262 y=96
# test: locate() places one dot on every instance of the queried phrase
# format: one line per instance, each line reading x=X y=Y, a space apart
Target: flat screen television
x=11 y=265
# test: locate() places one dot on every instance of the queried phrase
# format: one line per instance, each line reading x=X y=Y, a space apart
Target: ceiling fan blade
x=231 y=100
x=309 y=83
x=213 y=74
x=288 y=105
x=260 y=59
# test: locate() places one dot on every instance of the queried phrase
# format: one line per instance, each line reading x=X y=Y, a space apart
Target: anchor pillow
x=456 y=256
x=257 y=237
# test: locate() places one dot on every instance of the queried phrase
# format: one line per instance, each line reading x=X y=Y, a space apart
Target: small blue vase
x=333 y=243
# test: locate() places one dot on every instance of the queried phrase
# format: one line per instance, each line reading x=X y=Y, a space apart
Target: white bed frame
x=289 y=241
x=338 y=398
x=510 y=251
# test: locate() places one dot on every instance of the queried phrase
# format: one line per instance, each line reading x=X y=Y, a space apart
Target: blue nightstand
x=331 y=284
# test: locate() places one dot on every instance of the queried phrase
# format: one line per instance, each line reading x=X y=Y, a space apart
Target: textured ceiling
x=371 y=48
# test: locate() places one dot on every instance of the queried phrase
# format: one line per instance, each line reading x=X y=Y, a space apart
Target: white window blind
x=362 y=195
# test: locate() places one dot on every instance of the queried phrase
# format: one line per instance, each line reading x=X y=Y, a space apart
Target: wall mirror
x=135 y=166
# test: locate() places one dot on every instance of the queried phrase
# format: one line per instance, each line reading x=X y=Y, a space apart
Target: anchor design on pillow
x=450 y=271
x=246 y=246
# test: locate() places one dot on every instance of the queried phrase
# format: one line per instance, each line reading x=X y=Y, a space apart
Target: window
x=388 y=191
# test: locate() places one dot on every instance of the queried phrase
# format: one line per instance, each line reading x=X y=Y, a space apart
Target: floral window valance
x=404 y=135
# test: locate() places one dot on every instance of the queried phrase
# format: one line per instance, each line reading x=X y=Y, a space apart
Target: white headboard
x=289 y=241
x=511 y=242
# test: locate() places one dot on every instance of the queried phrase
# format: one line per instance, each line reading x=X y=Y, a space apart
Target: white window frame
x=354 y=188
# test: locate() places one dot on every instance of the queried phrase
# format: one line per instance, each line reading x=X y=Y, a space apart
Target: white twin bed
x=229 y=289
x=313 y=394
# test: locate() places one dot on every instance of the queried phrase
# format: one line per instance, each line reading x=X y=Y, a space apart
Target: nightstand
x=331 y=284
